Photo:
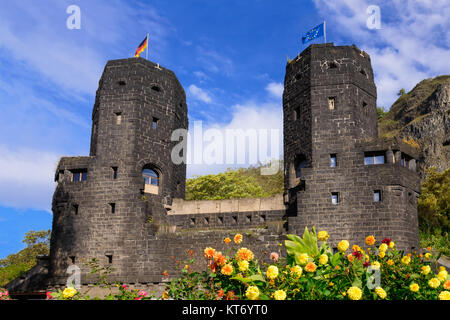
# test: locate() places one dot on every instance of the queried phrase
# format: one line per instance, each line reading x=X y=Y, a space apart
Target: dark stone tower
x=102 y=202
x=330 y=144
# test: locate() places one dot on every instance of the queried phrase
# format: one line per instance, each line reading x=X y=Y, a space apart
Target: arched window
x=151 y=179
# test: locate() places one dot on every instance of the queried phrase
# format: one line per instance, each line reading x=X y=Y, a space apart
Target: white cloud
x=250 y=115
x=275 y=89
x=26 y=178
x=199 y=94
x=411 y=45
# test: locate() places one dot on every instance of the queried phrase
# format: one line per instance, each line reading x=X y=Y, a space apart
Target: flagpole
x=146 y=55
x=325 y=31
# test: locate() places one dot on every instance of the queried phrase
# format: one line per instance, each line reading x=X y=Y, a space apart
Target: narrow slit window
x=331 y=103
x=112 y=207
x=335 y=198
x=377 y=196
x=118 y=117
x=110 y=258
x=75 y=209
x=333 y=160
x=72 y=259
x=114 y=172
x=155 y=123
x=220 y=220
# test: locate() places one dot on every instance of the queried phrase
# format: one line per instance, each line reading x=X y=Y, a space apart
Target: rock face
x=422 y=116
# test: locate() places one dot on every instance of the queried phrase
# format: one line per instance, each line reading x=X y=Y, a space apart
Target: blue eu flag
x=313 y=33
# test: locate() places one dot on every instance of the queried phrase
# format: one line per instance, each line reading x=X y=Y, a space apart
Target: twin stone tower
x=123 y=204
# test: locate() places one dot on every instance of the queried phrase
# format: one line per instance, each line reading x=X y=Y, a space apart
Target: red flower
x=386 y=240
x=49 y=295
x=220 y=294
x=366 y=264
x=357 y=254
x=230 y=295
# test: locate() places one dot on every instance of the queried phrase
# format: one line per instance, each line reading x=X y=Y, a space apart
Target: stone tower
x=339 y=176
x=102 y=202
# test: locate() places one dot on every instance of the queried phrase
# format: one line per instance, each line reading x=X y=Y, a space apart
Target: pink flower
x=142 y=293
x=49 y=295
x=124 y=286
x=138 y=298
x=274 y=256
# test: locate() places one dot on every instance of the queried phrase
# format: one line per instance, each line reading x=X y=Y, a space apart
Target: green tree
x=16 y=264
x=381 y=112
x=231 y=184
x=401 y=92
x=434 y=201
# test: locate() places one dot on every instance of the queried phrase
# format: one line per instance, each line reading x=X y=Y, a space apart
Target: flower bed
x=312 y=272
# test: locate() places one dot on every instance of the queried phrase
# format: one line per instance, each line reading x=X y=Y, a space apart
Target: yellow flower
x=209 y=252
x=343 y=245
x=367 y=258
x=355 y=247
x=383 y=247
x=390 y=262
x=354 y=293
x=429 y=248
x=382 y=254
x=245 y=254
x=323 y=236
x=69 y=292
x=425 y=269
x=392 y=244
x=406 y=260
x=272 y=272
x=444 y=295
x=297 y=270
x=376 y=265
x=227 y=269
x=434 y=283
x=441 y=268
x=428 y=255
x=227 y=240
x=380 y=292
x=243 y=265
x=414 y=287
x=252 y=292
x=323 y=259
x=442 y=275
x=310 y=267
x=370 y=240
x=303 y=258
x=279 y=295
x=165 y=295
x=238 y=238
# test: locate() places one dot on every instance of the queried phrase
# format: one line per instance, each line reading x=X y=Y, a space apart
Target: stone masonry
x=102 y=208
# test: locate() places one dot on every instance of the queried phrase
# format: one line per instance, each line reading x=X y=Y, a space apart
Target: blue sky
x=230 y=57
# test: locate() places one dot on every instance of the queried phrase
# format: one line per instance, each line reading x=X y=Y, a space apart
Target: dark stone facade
x=109 y=215
x=314 y=131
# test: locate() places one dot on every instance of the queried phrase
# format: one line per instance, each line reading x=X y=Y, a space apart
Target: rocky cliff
x=421 y=117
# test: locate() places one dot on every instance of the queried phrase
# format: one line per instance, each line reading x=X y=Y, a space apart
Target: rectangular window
x=79 y=175
x=334 y=197
x=296 y=113
x=405 y=160
x=155 y=123
x=331 y=103
x=110 y=258
x=75 y=209
x=72 y=259
x=114 y=170
x=377 y=196
x=112 y=206
x=333 y=160
x=374 y=158
x=118 y=117
x=61 y=175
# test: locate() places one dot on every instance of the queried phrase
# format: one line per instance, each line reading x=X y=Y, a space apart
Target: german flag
x=141 y=47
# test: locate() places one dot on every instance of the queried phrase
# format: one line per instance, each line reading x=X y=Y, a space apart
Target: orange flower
x=350 y=257
x=429 y=248
x=370 y=240
x=447 y=285
x=165 y=295
x=227 y=240
x=220 y=259
x=230 y=295
x=310 y=267
x=227 y=269
x=245 y=254
x=238 y=238
x=220 y=294
x=165 y=273
x=209 y=252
